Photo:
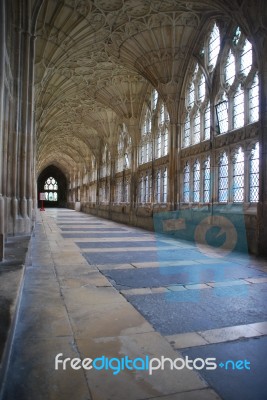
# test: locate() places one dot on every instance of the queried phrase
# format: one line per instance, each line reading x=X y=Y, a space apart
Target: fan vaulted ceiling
x=95 y=61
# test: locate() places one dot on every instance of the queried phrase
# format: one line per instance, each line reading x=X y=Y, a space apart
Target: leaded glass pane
x=186 y=183
x=223 y=179
x=142 y=190
x=162 y=116
x=229 y=70
x=158 y=180
x=206 y=181
x=186 y=141
x=146 y=189
x=254 y=100
x=238 y=110
x=222 y=116
x=165 y=185
x=191 y=95
x=196 y=136
x=246 y=58
x=166 y=141
x=254 y=175
x=147 y=152
x=154 y=99
x=207 y=122
x=150 y=187
x=159 y=145
x=238 y=177
x=202 y=88
x=196 y=182
x=214 y=46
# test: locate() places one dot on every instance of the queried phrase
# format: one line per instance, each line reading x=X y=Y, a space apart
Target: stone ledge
x=11 y=282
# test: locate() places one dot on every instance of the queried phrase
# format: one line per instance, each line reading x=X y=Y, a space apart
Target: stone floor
x=97 y=288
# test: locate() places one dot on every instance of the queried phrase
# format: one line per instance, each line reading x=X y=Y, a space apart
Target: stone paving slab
x=236 y=383
x=71 y=304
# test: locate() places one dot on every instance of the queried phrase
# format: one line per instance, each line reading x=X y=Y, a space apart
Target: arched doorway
x=53 y=183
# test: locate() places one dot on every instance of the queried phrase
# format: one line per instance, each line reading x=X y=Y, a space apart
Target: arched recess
x=60 y=178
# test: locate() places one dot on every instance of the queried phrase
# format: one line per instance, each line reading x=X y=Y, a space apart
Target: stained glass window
x=51 y=188
x=196 y=182
x=238 y=176
x=206 y=181
x=254 y=100
x=238 y=108
x=186 y=183
x=223 y=179
x=254 y=170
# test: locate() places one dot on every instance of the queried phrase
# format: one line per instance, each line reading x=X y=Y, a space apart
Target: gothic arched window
x=51 y=189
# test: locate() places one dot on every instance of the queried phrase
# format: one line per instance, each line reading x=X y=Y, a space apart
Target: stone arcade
x=134 y=107
x=117 y=115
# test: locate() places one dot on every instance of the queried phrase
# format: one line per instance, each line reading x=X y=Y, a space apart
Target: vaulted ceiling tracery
x=94 y=62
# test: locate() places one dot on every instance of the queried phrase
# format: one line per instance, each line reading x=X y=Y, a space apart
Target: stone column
x=2 y=85
x=25 y=79
x=30 y=151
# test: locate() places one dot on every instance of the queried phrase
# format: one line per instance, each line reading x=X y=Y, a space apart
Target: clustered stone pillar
x=2 y=85
x=16 y=120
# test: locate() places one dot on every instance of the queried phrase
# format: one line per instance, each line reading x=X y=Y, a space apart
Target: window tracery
x=51 y=189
